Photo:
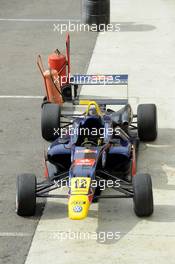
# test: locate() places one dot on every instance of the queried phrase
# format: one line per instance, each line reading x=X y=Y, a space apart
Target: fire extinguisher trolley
x=61 y=87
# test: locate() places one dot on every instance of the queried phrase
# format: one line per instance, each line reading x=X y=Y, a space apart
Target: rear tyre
x=26 y=195
x=50 y=121
x=147 y=122
x=143 y=195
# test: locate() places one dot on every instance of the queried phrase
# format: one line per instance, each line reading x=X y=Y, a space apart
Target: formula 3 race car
x=98 y=145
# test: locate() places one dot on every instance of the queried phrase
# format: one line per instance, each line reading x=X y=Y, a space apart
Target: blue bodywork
x=64 y=152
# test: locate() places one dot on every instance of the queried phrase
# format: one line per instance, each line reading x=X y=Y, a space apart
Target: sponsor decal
x=77 y=209
x=84 y=162
x=78 y=202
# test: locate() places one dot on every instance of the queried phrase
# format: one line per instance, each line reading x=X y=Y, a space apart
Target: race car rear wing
x=107 y=79
x=101 y=101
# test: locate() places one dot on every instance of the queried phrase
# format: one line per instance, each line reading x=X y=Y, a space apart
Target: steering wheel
x=89 y=142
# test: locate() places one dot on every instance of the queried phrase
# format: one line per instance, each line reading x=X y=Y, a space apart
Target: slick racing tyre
x=26 y=195
x=143 y=195
x=50 y=121
x=147 y=122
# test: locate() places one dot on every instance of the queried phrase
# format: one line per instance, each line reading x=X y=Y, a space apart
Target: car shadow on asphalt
x=117 y=215
x=158 y=159
x=134 y=26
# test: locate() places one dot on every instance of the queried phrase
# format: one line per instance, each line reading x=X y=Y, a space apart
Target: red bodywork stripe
x=90 y=197
x=46 y=173
x=133 y=162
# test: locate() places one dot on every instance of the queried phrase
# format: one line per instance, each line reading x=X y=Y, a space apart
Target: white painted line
x=160 y=146
x=14 y=234
x=21 y=96
x=39 y=20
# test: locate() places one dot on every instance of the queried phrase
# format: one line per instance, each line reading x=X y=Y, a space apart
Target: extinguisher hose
x=56 y=86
